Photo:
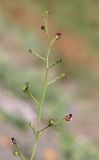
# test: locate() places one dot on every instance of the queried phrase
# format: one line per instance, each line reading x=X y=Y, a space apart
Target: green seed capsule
x=15 y=153
x=63 y=75
x=40 y=133
x=25 y=88
x=51 y=122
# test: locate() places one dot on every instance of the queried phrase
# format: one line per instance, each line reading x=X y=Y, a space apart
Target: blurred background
x=78 y=21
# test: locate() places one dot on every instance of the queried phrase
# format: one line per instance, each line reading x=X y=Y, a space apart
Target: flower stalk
x=17 y=151
x=26 y=89
x=36 y=54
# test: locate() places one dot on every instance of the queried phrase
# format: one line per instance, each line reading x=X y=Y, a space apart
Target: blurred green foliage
x=13 y=119
x=77 y=150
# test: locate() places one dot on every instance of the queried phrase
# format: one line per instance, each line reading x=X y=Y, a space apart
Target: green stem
x=46 y=26
x=56 y=79
x=46 y=79
x=34 y=99
x=35 y=146
x=54 y=63
x=52 y=42
x=42 y=99
x=44 y=128
x=19 y=153
x=59 y=122
x=38 y=55
x=39 y=112
x=52 y=81
x=32 y=127
x=56 y=123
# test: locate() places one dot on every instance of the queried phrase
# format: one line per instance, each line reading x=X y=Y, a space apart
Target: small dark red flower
x=13 y=140
x=58 y=35
x=68 y=117
x=43 y=28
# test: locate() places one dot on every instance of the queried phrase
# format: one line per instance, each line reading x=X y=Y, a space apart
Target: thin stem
x=45 y=87
x=56 y=123
x=42 y=100
x=52 y=42
x=54 y=63
x=34 y=131
x=43 y=97
x=32 y=127
x=19 y=152
x=37 y=55
x=54 y=80
x=45 y=16
x=59 y=122
x=57 y=78
x=46 y=27
x=39 y=114
x=44 y=128
x=35 y=146
x=34 y=99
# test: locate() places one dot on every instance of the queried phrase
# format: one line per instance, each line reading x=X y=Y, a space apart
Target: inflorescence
x=39 y=103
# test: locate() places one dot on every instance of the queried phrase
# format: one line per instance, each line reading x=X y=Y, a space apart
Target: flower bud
x=68 y=117
x=47 y=13
x=63 y=75
x=43 y=28
x=26 y=87
x=58 y=60
x=15 y=153
x=51 y=122
x=40 y=133
x=13 y=140
x=58 y=36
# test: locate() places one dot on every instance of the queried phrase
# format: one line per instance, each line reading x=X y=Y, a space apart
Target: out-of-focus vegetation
x=13 y=119
x=78 y=16
x=77 y=150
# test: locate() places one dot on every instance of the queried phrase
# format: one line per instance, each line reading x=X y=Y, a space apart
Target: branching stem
x=56 y=123
x=37 y=132
x=35 y=146
x=19 y=152
x=36 y=54
x=42 y=99
x=34 y=99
